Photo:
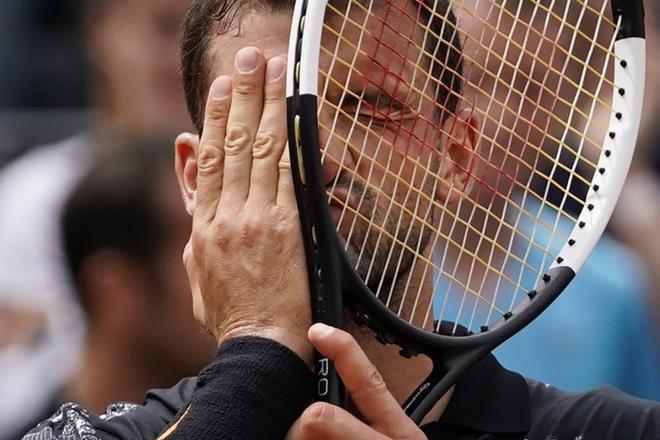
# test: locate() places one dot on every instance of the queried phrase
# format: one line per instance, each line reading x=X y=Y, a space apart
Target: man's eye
x=379 y=101
x=376 y=105
x=351 y=102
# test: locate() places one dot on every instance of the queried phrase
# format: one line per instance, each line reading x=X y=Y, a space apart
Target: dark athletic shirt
x=256 y=388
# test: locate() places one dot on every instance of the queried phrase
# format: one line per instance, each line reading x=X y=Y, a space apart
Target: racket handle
x=329 y=387
x=327 y=308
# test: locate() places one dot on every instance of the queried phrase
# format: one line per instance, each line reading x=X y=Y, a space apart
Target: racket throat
x=445 y=373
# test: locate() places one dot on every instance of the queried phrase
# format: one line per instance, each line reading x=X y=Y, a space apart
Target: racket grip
x=327 y=308
x=329 y=387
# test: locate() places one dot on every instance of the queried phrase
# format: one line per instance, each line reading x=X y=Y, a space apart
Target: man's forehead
x=376 y=40
x=392 y=22
x=265 y=30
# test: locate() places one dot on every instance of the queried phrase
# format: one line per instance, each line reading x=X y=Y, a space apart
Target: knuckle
x=198 y=245
x=222 y=242
x=264 y=145
x=223 y=224
x=223 y=233
x=217 y=110
x=209 y=160
x=284 y=167
x=237 y=139
x=250 y=229
x=246 y=85
x=375 y=380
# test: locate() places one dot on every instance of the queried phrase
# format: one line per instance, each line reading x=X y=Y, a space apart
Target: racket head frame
x=329 y=265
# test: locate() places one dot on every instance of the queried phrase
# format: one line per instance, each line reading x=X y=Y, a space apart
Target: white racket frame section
x=630 y=79
x=311 y=43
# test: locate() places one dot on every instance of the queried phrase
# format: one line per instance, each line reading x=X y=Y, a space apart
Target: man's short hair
x=116 y=206
x=209 y=18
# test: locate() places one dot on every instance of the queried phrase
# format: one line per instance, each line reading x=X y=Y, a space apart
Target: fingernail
x=247 y=59
x=221 y=87
x=322 y=330
x=275 y=69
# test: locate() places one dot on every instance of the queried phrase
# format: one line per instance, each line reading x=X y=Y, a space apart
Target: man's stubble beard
x=385 y=263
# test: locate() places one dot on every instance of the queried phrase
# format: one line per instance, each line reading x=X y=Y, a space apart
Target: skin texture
x=245 y=259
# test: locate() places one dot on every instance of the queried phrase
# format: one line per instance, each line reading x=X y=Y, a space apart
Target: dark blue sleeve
x=255 y=389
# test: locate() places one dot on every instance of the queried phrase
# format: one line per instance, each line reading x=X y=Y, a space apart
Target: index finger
x=363 y=381
x=210 y=157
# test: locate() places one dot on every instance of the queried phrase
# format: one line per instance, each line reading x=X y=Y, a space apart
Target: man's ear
x=460 y=143
x=185 y=164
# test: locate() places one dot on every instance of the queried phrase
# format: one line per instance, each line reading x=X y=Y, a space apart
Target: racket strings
x=385 y=169
x=384 y=232
x=497 y=288
x=539 y=149
x=500 y=33
x=530 y=167
x=551 y=14
x=538 y=145
x=586 y=161
x=508 y=64
x=509 y=192
x=427 y=198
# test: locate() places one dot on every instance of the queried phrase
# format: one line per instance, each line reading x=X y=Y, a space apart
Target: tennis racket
x=455 y=162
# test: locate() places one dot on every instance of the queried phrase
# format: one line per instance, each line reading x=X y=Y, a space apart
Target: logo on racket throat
x=416 y=396
x=323 y=373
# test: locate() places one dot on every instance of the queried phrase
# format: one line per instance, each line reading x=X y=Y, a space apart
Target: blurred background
x=94 y=305
x=43 y=97
x=94 y=301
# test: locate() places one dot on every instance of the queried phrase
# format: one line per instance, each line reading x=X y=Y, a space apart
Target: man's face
x=380 y=131
x=382 y=139
x=134 y=49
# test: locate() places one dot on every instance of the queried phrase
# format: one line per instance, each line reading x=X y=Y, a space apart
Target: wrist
x=295 y=341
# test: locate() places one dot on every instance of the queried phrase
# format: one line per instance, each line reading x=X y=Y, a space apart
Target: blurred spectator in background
x=49 y=29
x=124 y=231
x=41 y=94
x=133 y=47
